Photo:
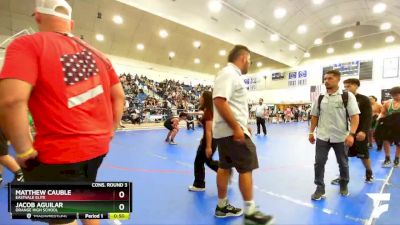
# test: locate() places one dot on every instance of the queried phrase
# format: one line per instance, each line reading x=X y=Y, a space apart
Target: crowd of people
x=167 y=95
x=73 y=137
x=177 y=93
x=282 y=114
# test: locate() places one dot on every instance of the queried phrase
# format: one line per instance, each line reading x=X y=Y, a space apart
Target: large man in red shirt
x=73 y=94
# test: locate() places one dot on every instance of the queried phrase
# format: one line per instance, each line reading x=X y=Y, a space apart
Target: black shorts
x=243 y=157
x=3 y=144
x=359 y=149
x=169 y=126
x=81 y=172
x=374 y=122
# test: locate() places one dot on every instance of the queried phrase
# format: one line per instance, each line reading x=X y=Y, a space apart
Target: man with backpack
x=331 y=113
x=360 y=147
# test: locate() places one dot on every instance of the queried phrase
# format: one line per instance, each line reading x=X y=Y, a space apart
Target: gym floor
x=283 y=184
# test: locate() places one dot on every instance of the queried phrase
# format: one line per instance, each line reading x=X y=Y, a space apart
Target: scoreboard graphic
x=100 y=200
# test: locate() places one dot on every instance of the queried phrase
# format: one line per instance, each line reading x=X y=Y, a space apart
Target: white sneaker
x=172 y=143
x=196 y=189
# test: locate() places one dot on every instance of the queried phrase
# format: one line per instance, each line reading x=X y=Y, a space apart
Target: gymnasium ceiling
x=227 y=23
x=220 y=30
x=138 y=27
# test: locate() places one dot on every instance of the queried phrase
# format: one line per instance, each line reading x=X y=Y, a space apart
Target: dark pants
x=261 y=121
x=321 y=156
x=81 y=172
x=379 y=144
x=3 y=144
x=201 y=159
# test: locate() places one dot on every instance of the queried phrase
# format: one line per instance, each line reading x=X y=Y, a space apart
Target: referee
x=260 y=115
x=235 y=147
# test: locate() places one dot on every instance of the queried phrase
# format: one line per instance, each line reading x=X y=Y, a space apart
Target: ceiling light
x=222 y=52
x=215 y=5
x=197 y=44
x=118 y=19
x=259 y=64
x=302 y=29
x=163 y=34
x=386 y=26
x=390 y=39
x=99 y=37
x=357 y=45
x=292 y=47
x=274 y=37
x=197 y=60
x=171 y=54
x=318 y=41
x=336 y=20
x=216 y=66
x=318 y=2
x=348 y=34
x=249 y=24
x=379 y=7
x=330 y=50
x=279 y=13
x=307 y=55
x=140 y=46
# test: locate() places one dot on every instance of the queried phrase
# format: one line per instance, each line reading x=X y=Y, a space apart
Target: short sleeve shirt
x=230 y=86
x=332 y=123
x=70 y=100
x=260 y=110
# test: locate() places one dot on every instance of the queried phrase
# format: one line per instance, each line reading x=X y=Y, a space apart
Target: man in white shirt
x=331 y=114
x=260 y=116
x=233 y=137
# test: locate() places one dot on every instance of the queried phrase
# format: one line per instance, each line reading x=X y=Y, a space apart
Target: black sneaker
x=344 y=191
x=258 y=218
x=396 y=162
x=387 y=163
x=227 y=211
x=318 y=195
x=18 y=178
x=1 y=180
x=369 y=177
x=335 y=181
x=370 y=145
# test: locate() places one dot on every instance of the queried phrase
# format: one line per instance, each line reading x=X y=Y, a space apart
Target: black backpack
x=345 y=99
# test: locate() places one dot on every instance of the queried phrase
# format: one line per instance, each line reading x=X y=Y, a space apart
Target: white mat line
x=371 y=218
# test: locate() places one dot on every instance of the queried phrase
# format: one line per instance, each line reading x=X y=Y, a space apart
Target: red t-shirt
x=207 y=116
x=70 y=101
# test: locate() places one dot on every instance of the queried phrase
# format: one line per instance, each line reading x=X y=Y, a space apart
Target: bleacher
x=152 y=101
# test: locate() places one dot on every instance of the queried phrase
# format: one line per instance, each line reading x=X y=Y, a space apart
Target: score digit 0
x=121 y=194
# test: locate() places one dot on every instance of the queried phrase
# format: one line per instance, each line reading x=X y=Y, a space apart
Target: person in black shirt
x=360 y=147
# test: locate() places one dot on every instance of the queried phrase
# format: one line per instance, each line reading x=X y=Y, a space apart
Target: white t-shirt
x=229 y=85
x=260 y=110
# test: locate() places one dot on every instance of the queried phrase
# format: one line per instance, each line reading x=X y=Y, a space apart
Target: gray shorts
x=242 y=156
x=3 y=144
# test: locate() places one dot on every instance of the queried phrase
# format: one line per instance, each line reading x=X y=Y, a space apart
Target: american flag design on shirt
x=81 y=75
